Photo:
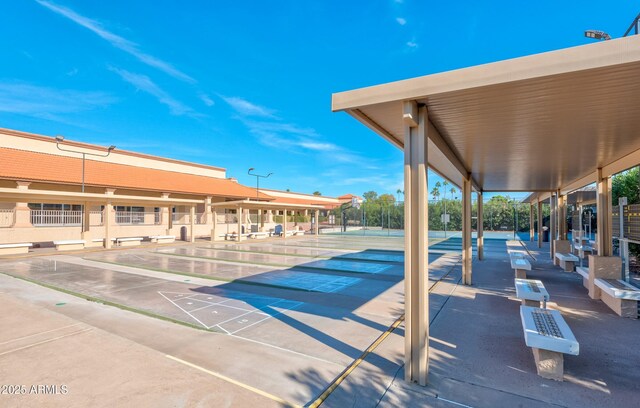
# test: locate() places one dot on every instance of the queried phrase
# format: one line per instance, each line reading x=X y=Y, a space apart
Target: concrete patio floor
x=304 y=323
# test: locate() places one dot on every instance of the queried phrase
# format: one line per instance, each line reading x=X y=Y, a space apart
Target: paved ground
x=274 y=322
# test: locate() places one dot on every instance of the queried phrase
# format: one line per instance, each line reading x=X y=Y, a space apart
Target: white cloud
x=246 y=108
x=32 y=100
x=401 y=21
x=412 y=44
x=144 y=83
x=206 y=99
x=116 y=40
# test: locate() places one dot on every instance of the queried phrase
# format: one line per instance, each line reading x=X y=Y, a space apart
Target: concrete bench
x=517 y=254
x=521 y=267
x=566 y=261
x=259 y=235
x=582 y=250
x=549 y=336
x=584 y=272
x=69 y=244
x=162 y=239
x=134 y=241
x=531 y=292
x=233 y=237
x=620 y=296
x=14 y=249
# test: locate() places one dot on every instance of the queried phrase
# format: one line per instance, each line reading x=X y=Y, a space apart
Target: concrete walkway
x=479 y=358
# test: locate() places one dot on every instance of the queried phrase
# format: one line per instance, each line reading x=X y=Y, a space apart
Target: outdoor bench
x=69 y=244
x=549 y=336
x=566 y=261
x=12 y=249
x=531 y=292
x=620 y=296
x=521 y=267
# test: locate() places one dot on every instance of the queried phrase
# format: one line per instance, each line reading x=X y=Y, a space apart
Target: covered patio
x=549 y=123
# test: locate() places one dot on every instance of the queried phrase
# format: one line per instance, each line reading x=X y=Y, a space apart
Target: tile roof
x=32 y=166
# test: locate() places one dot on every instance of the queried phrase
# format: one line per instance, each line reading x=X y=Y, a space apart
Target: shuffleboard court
x=281 y=260
x=252 y=274
x=322 y=325
x=275 y=249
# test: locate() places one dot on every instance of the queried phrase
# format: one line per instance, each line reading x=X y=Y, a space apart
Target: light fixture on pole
x=60 y=139
x=258 y=177
x=597 y=35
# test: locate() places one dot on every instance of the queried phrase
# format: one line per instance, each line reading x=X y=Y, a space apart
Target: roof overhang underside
x=544 y=122
x=265 y=205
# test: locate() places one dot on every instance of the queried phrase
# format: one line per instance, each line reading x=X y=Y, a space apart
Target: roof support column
x=214 y=227
x=603 y=208
x=480 y=227
x=552 y=223
x=86 y=221
x=416 y=266
x=539 y=205
x=531 y=231
x=192 y=219
x=316 y=216
x=466 y=231
x=240 y=214
x=562 y=216
x=108 y=216
x=284 y=224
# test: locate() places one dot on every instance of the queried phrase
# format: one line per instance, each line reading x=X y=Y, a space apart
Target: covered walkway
x=549 y=123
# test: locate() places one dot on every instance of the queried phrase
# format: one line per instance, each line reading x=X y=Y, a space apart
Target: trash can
x=545 y=234
x=183 y=233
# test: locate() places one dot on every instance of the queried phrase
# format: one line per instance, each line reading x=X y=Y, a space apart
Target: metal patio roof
x=544 y=122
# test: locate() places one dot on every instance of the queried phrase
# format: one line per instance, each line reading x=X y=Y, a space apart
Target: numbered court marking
x=229 y=315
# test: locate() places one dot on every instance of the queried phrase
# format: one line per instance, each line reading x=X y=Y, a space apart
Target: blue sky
x=249 y=84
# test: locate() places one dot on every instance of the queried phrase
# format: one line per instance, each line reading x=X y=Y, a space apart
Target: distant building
x=48 y=194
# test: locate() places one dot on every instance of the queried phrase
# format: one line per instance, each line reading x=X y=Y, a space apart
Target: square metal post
x=480 y=227
x=603 y=205
x=539 y=205
x=416 y=266
x=466 y=231
x=531 y=230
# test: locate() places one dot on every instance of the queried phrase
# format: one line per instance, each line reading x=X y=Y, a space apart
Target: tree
x=370 y=196
x=453 y=192
x=625 y=184
x=444 y=186
x=387 y=198
x=398 y=192
x=317 y=193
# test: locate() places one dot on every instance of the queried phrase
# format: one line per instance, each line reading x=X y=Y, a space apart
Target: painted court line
x=189 y=314
x=45 y=341
x=192 y=297
x=244 y=314
x=42 y=332
x=268 y=316
x=232 y=381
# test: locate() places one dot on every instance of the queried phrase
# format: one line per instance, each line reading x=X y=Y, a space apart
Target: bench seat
x=584 y=272
x=162 y=239
x=582 y=250
x=258 y=235
x=620 y=296
x=531 y=292
x=14 y=249
x=133 y=241
x=69 y=244
x=549 y=336
x=521 y=266
x=566 y=261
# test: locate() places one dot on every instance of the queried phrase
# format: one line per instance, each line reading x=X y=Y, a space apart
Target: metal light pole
x=601 y=35
x=258 y=177
x=60 y=139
